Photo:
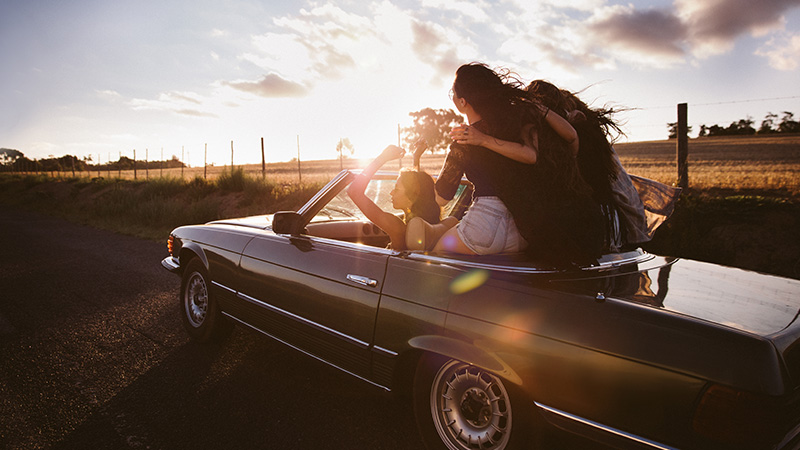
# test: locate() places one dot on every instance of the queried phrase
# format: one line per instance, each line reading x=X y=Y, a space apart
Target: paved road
x=93 y=356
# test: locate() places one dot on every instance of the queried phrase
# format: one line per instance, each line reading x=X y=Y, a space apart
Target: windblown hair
x=595 y=128
x=419 y=188
x=499 y=98
x=508 y=108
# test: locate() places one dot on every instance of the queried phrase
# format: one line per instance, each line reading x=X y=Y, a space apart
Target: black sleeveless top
x=562 y=227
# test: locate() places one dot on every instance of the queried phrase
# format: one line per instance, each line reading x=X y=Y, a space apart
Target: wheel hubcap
x=196 y=301
x=470 y=408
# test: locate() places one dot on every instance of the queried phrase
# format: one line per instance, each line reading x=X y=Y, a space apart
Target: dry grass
x=769 y=163
x=763 y=163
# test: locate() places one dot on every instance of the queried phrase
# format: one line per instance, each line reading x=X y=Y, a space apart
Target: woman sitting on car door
x=528 y=192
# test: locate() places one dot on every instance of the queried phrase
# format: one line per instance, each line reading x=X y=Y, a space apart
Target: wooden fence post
x=263 y=161
x=205 y=161
x=299 y=173
x=134 y=164
x=683 y=146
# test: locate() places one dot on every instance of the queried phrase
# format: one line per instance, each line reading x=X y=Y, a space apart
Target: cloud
x=108 y=94
x=474 y=10
x=432 y=46
x=183 y=103
x=271 y=85
x=782 y=52
x=714 y=25
x=646 y=32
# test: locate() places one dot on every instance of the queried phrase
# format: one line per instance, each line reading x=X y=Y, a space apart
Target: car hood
x=261 y=222
x=744 y=300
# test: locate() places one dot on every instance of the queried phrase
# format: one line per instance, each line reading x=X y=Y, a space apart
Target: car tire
x=459 y=406
x=200 y=312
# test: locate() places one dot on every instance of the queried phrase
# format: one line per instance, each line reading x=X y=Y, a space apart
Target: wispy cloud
x=183 y=103
x=782 y=52
x=271 y=85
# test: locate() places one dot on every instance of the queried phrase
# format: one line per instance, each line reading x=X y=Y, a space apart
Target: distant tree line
x=743 y=127
x=12 y=160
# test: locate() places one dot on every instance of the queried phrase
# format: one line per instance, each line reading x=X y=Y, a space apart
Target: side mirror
x=287 y=222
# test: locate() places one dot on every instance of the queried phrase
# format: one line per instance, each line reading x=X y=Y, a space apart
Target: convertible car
x=637 y=351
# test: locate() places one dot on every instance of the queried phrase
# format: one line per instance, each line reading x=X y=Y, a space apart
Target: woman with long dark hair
x=599 y=165
x=413 y=194
x=528 y=190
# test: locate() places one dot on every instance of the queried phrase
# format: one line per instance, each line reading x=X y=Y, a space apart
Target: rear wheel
x=200 y=312
x=461 y=407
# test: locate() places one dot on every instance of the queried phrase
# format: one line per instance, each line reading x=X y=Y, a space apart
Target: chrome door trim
x=305 y=321
x=306 y=353
x=599 y=426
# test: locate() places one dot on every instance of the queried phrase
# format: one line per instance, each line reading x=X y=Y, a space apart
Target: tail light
x=170 y=244
x=739 y=419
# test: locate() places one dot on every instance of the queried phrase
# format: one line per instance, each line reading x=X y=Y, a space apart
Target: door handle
x=358 y=279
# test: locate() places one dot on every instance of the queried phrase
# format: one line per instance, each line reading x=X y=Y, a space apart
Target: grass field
x=742 y=208
x=757 y=163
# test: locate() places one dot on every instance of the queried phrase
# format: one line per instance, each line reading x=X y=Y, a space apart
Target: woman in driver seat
x=413 y=193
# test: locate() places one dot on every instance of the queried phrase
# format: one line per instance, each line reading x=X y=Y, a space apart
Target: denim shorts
x=488 y=228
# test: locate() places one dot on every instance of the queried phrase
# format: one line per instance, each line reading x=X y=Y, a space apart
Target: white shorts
x=488 y=228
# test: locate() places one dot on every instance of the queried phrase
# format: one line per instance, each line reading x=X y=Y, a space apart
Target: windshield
x=341 y=207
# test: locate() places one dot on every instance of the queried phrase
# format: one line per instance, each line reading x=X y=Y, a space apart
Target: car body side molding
x=549 y=411
x=305 y=352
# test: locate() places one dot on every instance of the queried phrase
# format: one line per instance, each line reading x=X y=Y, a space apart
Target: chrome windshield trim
x=605 y=428
x=321 y=193
x=305 y=352
x=308 y=322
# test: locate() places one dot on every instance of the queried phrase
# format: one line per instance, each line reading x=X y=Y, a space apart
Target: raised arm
x=388 y=222
x=525 y=153
x=465 y=134
x=563 y=128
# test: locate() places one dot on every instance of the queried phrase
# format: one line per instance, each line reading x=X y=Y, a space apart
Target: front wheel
x=458 y=406
x=199 y=311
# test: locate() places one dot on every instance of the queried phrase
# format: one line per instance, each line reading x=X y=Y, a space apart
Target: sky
x=99 y=79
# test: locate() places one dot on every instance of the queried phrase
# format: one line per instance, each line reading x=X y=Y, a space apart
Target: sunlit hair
x=499 y=98
x=419 y=187
x=595 y=128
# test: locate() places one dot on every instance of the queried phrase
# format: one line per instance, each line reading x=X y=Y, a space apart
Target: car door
x=318 y=295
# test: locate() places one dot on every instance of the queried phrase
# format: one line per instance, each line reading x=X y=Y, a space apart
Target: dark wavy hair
x=595 y=130
x=499 y=98
x=509 y=110
x=419 y=188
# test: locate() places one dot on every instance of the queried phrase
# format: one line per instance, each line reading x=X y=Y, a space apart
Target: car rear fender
x=466 y=352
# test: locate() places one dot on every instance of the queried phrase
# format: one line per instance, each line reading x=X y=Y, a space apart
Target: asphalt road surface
x=93 y=356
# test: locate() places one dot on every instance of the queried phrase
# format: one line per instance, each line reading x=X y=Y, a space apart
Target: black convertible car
x=639 y=351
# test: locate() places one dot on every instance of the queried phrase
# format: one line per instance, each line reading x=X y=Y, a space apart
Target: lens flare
x=469 y=281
